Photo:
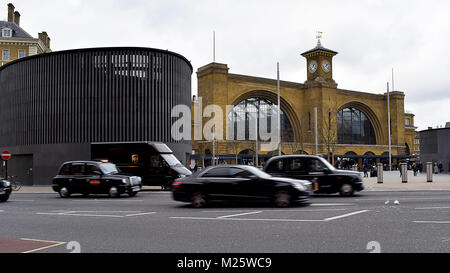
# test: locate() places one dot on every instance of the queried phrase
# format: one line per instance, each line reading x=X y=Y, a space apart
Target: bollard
x=380 y=173
x=429 y=171
x=355 y=168
x=404 y=167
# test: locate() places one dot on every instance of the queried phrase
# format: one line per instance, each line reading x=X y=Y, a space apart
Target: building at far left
x=16 y=43
x=64 y=105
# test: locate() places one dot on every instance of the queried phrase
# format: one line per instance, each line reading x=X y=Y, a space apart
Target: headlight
x=6 y=183
x=299 y=187
x=181 y=176
x=125 y=181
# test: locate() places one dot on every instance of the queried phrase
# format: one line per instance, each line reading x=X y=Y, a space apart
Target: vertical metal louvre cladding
x=92 y=95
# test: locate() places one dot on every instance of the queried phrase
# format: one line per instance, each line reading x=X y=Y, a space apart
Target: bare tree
x=299 y=142
x=234 y=147
x=202 y=146
x=328 y=131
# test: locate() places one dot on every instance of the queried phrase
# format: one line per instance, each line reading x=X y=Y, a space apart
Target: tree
x=328 y=130
x=234 y=147
x=299 y=143
x=202 y=146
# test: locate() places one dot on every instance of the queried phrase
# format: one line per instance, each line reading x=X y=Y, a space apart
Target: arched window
x=250 y=108
x=354 y=127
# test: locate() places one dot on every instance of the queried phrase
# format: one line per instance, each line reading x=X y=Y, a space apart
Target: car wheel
x=282 y=199
x=64 y=192
x=114 y=192
x=198 y=200
x=132 y=193
x=346 y=190
x=4 y=198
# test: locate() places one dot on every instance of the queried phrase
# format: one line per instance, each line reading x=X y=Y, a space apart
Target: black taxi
x=94 y=177
x=5 y=190
x=325 y=178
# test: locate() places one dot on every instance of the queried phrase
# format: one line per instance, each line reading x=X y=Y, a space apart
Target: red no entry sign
x=6 y=155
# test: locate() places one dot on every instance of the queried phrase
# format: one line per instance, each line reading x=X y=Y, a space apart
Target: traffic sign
x=6 y=155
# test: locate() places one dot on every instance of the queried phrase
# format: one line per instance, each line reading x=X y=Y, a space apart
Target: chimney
x=17 y=18
x=43 y=36
x=11 y=12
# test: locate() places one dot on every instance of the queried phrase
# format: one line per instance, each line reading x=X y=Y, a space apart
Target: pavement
x=151 y=222
x=391 y=182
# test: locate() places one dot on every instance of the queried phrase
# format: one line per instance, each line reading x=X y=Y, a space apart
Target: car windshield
x=109 y=168
x=258 y=172
x=171 y=160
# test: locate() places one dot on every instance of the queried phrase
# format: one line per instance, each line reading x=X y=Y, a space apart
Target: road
x=153 y=223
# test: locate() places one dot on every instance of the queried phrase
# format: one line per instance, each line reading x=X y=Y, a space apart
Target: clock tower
x=320 y=64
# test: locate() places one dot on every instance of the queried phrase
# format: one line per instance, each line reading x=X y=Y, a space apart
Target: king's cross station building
x=351 y=125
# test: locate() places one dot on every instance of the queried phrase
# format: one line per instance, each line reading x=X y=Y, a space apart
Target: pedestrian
x=365 y=167
x=414 y=167
x=441 y=167
x=400 y=169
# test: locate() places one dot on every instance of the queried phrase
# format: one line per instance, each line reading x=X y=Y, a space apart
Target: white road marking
x=246 y=219
x=345 y=215
x=92 y=213
x=432 y=222
x=2 y=211
x=433 y=208
x=98 y=200
x=18 y=200
x=275 y=210
x=140 y=214
x=230 y=217
x=77 y=214
x=330 y=204
x=240 y=214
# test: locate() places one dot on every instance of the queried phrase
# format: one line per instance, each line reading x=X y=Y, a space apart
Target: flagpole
x=214 y=46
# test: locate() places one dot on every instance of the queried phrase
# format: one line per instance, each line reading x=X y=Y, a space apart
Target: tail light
x=94 y=182
x=176 y=184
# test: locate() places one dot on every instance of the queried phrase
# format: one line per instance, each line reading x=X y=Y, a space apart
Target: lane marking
x=18 y=200
x=432 y=222
x=96 y=200
x=240 y=214
x=330 y=204
x=404 y=198
x=96 y=211
x=139 y=214
x=345 y=215
x=276 y=210
x=246 y=219
x=54 y=244
x=77 y=214
x=433 y=208
x=92 y=213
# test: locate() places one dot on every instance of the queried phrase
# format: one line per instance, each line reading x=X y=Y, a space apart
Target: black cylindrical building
x=53 y=106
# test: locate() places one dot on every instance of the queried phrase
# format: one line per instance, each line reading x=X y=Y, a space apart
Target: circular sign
x=6 y=155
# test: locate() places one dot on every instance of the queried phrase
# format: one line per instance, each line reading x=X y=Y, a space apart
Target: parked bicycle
x=15 y=185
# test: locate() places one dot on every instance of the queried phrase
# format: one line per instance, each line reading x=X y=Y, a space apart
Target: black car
x=5 y=190
x=239 y=183
x=325 y=178
x=94 y=177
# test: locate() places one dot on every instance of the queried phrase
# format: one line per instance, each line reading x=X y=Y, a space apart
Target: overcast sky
x=371 y=36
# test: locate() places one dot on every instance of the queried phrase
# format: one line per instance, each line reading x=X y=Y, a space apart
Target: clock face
x=312 y=66
x=326 y=66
